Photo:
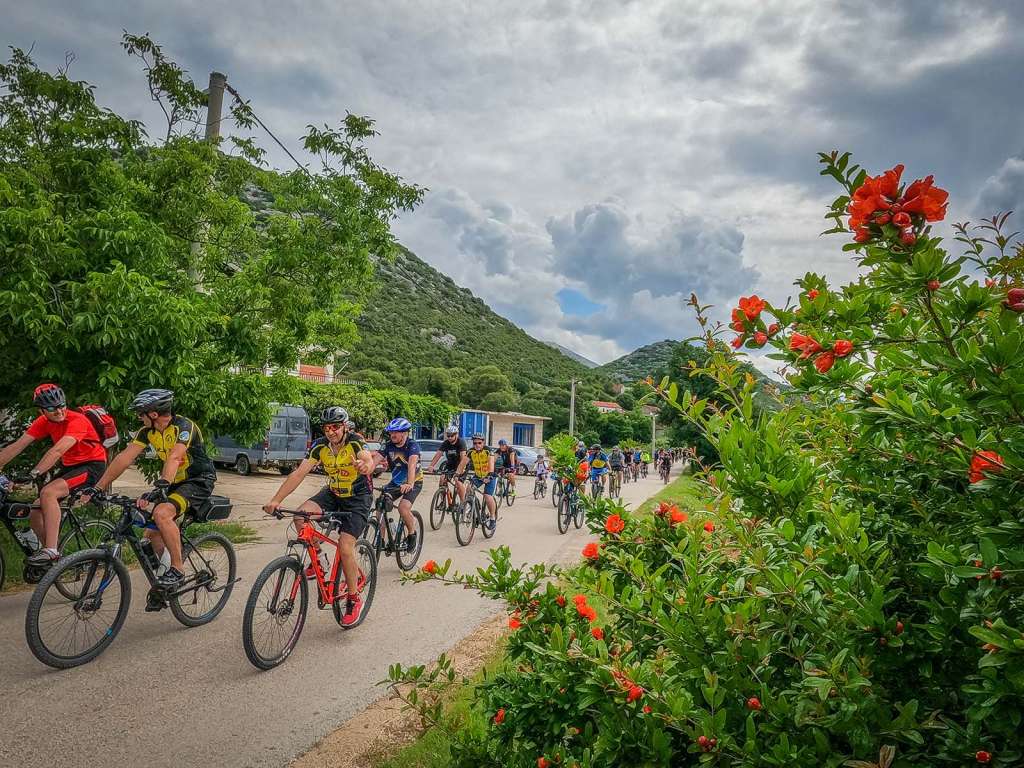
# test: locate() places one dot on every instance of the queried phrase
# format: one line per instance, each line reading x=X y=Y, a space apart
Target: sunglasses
x=55 y=408
x=333 y=427
x=478 y=442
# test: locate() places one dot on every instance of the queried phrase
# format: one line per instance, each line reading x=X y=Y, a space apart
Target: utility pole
x=654 y=432
x=572 y=407
x=215 y=105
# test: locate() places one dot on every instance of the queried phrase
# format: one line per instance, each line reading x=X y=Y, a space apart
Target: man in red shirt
x=80 y=452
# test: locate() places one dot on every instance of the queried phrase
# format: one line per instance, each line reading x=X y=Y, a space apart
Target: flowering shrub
x=853 y=592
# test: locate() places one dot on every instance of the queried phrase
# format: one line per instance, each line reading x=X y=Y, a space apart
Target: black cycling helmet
x=478 y=436
x=333 y=414
x=49 y=396
x=595 y=447
x=159 y=400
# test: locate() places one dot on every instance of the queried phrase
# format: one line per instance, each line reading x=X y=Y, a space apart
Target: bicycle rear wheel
x=438 y=508
x=577 y=513
x=366 y=562
x=65 y=632
x=210 y=570
x=275 y=612
x=483 y=516
x=465 y=521
x=407 y=557
x=75 y=539
x=564 y=514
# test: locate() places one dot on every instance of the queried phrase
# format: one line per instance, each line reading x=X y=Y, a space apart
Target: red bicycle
x=275 y=612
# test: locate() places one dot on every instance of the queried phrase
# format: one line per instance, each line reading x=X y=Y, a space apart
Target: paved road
x=164 y=695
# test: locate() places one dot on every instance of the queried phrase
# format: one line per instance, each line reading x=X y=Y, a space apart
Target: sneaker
x=171 y=579
x=353 y=610
x=491 y=523
x=44 y=556
x=410 y=542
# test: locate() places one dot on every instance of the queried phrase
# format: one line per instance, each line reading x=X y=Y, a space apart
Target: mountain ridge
x=641 y=362
x=587 y=362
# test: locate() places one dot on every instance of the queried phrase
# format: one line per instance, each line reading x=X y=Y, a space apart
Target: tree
x=502 y=400
x=434 y=381
x=483 y=381
x=132 y=263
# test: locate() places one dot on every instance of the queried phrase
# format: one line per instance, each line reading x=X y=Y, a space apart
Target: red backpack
x=102 y=422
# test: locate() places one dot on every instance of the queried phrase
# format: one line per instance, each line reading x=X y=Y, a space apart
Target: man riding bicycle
x=402 y=456
x=345 y=500
x=481 y=464
x=506 y=461
x=78 y=449
x=617 y=461
x=581 y=451
x=598 y=461
x=186 y=478
x=453 y=451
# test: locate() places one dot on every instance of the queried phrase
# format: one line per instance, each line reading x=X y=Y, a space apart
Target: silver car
x=527 y=458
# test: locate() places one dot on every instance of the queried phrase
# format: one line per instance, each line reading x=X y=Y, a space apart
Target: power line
x=262 y=125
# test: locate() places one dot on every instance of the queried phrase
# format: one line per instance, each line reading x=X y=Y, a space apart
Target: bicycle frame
x=311 y=539
x=382 y=509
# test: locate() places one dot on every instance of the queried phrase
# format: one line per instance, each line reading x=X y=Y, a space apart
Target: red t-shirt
x=87 y=445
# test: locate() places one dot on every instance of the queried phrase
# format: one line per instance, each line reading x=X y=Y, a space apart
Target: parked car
x=427 y=450
x=283 y=447
x=527 y=458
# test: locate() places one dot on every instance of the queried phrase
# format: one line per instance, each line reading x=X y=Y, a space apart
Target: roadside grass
x=432 y=749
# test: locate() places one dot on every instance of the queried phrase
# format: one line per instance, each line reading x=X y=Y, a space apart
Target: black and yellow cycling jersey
x=480 y=461
x=598 y=461
x=343 y=477
x=195 y=464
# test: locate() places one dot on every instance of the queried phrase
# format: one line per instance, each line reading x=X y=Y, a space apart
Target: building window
x=522 y=434
x=472 y=421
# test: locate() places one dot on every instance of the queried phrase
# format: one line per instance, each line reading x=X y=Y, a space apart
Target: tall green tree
x=482 y=382
x=132 y=262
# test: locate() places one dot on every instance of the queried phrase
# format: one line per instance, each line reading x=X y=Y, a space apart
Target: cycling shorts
x=394 y=492
x=190 y=493
x=81 y=475
x=348 y=513
x=490 y=484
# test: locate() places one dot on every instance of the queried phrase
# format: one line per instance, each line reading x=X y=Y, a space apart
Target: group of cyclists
x=187 y=476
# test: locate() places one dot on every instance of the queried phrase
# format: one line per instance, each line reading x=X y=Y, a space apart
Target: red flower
x=560 y=599
x=985 y=462
x=709 y=526
x=614 y=524
x=514 y=622
x=737 y=315
x=804 y=344
x=499 y=716
x=678 y=517
x=760 y=338
x=907 y=237
x=647 y=709
x=598 y=633
x=773 y=329
x=586 y=611
x=1015 y=299
x=901 y=219
x=580 y=600
x=925 y=198
x=754 y=703
x=874 y=194
x=842 y=347
x=635 y=693
x=737 y=342
x=982 y=756
x=738 y=327
x=824 y=362
x=591 y=552
x=812 y=294
x=752 y=306
x=862 y=235
x=430 y=567
x=934 y=285
x=664 y=508
x=542 y=762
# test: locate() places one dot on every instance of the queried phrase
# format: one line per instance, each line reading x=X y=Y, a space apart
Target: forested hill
x=440 y=324
x=640 y=363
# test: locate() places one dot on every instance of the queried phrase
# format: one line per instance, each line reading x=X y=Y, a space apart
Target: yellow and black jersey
x=196 y=463
x=343 y=477
x=480 y=461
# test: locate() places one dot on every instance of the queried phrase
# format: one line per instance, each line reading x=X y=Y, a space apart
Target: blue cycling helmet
x=399 y=425
x=503 y=441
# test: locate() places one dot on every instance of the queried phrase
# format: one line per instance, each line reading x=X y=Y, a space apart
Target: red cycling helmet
x=49 y=396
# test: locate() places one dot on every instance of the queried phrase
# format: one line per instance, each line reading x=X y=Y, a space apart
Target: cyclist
x=581 y=451
x=453 y=450
x=351 y=431
x=481 y=472
x=664 y=460
x=637 y=461
x=506 y=460
x=598 y=461
x=617 y=460
x=345 y=500
x=186 y=479
x=81 y=455
x=627 y=455
x=402 y=456
x=542 y=467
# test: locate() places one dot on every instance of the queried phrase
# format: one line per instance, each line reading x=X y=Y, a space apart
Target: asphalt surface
x=165 y=695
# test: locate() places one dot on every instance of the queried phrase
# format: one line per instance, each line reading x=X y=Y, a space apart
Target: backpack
x=102 y=422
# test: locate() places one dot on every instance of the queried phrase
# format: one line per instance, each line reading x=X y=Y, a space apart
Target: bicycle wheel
x=372 y=534
x=275 y=612
x=510 y=494
x=407 y=557
x=577 y=513
x=210 y=570
x=76 y=539
x=538 y=492
x=367 y=564
x=556 y=493
x=564 y=514
x=438 y=508
x=482 y=515
x=465 y=521
x=65 y=632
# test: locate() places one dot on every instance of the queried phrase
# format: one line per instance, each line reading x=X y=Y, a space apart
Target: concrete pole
x=215 y=105
x=654 y=433
x=572 y=407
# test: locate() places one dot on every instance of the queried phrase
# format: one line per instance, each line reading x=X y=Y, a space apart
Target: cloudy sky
x=592 y=162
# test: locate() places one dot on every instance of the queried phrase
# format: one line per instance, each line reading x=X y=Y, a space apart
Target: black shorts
x=79 y=475
x=394 y=492
x=348 y=513
x=190 y=492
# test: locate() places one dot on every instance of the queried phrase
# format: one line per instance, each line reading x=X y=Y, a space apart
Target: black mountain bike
x=65 y=630
x=615 y=484
x=596 y=486
x=570 y=508
x=383 y=533
x=445 y=501
x=663 y=470
x=504 y=489
x=76 y=534
x=556 y=490
x=540 y=487
x=474 y=513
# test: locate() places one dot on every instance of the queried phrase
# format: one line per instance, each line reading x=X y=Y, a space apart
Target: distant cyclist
x=481 y=473
x=344 y=501
x=598 y=461
x=506 y=459
x=186 y=478
x=82 y=459
x=402 y=455
x=581 y=451
x=453 y=451
x=617 y=462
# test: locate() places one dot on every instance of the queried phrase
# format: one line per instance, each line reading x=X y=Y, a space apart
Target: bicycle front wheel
x=210 y=573
x=438 y=508
x=564 y=513
x=275 y=613
x=577 y=513
x=88 y=536
x=465 y=522
x=556 y=493
x=481 y=511
x=366 y=562
x=407 y=557
x=65 y=632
